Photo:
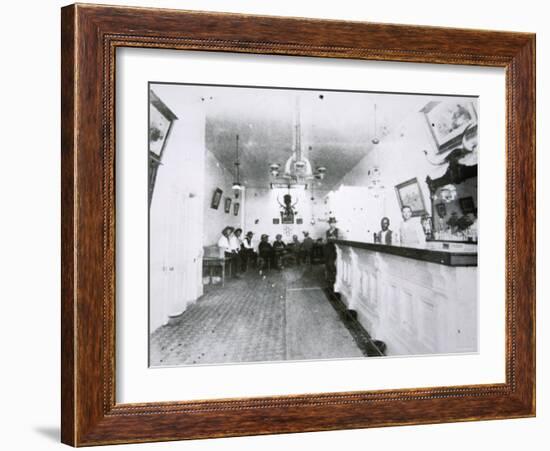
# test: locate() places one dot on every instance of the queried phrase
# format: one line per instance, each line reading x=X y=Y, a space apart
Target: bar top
x=442 y=257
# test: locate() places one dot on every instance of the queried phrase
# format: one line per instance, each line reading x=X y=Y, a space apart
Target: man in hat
x=265 y=250
x=295 y=248
x=279 y=248
x=306 y=248
x=236 y=248
x=248 y=250
x=226 y=244
x=235 y=240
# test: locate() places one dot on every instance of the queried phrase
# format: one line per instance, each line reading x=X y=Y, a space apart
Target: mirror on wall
x=454 y=204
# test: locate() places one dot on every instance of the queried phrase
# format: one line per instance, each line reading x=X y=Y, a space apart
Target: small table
x=212 y=262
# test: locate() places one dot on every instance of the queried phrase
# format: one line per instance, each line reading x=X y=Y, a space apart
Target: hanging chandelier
x=237 y=186
x=374 y=175
x=297 y=168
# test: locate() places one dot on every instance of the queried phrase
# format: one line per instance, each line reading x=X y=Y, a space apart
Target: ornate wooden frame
x=90 y=36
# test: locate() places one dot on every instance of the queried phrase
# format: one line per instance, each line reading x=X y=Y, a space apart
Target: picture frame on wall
x=227 y=204
x=94 y=367
x=441 y=209
x=467 y=205
x=410 y=194
x=236 y=207
x=216 y=198
x=161 y=119
x=448 y=122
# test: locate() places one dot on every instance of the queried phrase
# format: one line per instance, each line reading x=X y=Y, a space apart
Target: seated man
x=279 y=248
x=293 y=250
x=226 y=243
x=265 y=251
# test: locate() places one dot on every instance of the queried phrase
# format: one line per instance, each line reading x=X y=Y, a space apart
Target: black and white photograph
x=241 y=225
x=352 y=234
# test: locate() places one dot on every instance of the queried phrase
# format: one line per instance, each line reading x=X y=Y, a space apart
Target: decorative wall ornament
x=287 y=209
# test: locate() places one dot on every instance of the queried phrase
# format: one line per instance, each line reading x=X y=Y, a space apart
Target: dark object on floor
x=349 y=317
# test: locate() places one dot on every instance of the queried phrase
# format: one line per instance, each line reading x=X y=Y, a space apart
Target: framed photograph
x=160 y=124
x=227 y=204
x=287 y=217
x=441 y=209
x=448 y=120
x=467 y=205
x=149 y=302
x=216 y=198
x=409 y=194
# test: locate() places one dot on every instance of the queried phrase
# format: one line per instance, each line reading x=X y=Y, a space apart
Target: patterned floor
x=280 y=315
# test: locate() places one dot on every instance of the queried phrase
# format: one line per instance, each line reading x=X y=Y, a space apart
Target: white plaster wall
x=218 y=176
x=176 y=212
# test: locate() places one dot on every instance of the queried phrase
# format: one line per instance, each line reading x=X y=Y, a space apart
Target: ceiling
x=336 y=126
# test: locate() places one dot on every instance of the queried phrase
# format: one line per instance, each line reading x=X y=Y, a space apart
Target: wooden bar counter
x=416 y=300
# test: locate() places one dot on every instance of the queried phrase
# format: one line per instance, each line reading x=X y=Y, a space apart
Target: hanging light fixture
x=237 y=183
x=375 y=182
x=375 y=139
x=297 y=168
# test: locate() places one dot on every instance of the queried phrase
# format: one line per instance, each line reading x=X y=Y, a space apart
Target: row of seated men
x=244 y=252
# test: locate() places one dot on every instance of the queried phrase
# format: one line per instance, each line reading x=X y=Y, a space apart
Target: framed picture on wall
x=216 y=198
x=448 y=121
x=227 y=204
x=441 y=209
x=123 y=394
x=410 y=194
x=467 y=205
x=236 y=207
x=161 y=119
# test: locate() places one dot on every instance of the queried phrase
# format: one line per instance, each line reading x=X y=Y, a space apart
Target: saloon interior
x=303 y=163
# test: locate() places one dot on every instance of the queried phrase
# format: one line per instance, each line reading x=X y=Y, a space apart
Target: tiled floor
x=280 y=315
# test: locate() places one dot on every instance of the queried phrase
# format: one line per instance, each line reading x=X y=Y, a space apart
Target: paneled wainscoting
x=414 y=306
